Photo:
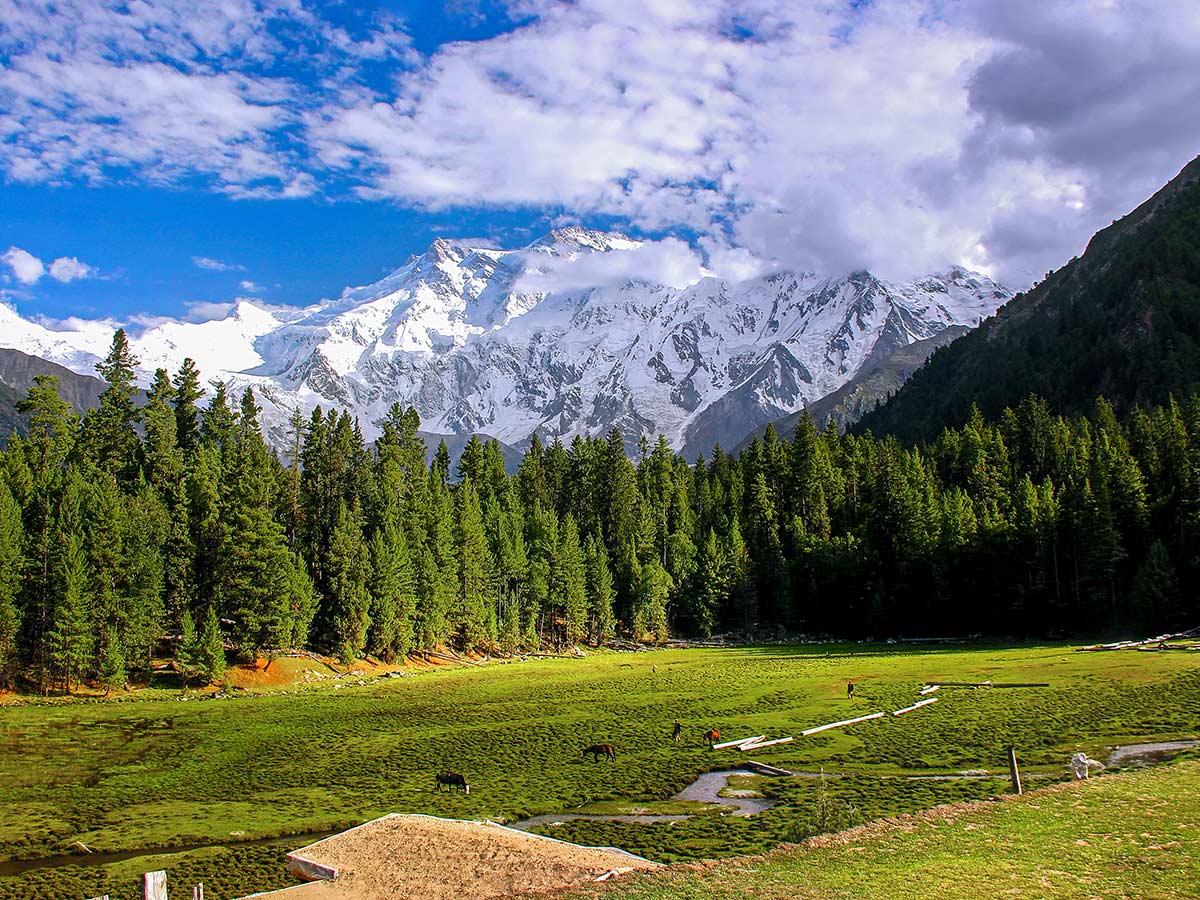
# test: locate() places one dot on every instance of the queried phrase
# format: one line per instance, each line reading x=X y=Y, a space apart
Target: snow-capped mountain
x=506 y=342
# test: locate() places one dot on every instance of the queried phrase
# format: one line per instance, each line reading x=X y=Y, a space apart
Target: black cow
x=453 y=780
x=599 y=750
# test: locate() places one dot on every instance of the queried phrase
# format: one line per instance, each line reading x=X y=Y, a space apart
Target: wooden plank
x=992 y=684
x=867 y=718
x=746 y=748
x=738 y=742
x=154 y=885
x=916 y=705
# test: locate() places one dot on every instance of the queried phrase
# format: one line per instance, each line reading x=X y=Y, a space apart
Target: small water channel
x=705 y=789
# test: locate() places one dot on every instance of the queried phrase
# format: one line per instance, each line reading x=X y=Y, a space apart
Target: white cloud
x=250 y=286
x=216 y=265
x=68 y=268
x=26 y=267
x=205 y=310
x=898 y=136
x=174 y=90
x=893 y=136
x=670 y=261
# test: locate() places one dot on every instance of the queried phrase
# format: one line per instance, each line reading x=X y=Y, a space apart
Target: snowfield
x=454 y=333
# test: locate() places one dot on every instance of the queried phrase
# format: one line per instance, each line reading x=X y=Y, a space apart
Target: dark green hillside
x=1122 y=321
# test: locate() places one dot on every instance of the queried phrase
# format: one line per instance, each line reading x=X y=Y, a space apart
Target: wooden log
x=764 y=769
x=746 y=748
x=866 y=718
x=738 y=742
x=916 y=705
x=154 y=885
x=1013 y=771
x=993 y=684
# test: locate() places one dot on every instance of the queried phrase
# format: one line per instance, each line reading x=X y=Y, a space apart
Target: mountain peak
x=575 y=239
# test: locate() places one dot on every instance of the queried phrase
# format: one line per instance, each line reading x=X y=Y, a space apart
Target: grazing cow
x=599 y=750
x=453 y=780
x=712 y=736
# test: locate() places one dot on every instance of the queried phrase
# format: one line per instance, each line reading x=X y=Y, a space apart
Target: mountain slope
x=17 y=371
x=1123 y=320
x=551 y=338
x=861 y=394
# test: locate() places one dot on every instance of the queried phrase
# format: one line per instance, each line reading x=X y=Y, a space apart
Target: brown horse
x=712 y=736
x=599 y=750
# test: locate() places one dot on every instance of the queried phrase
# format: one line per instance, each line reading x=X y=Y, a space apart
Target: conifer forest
x=171 y=528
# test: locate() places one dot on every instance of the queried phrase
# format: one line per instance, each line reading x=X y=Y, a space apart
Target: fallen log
x=866 y=718
x=991 y=684
x=738 y=742
x=746 y=748
x=916 y=705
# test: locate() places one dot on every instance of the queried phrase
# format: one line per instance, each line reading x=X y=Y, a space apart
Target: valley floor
x=199 y=782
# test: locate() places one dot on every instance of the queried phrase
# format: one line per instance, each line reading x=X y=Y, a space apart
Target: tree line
x=171 y=527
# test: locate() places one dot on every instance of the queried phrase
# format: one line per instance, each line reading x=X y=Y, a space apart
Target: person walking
x=849 y=690
x=677 y=731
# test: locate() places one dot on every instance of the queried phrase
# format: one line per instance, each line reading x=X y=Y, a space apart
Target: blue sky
x=165 y=159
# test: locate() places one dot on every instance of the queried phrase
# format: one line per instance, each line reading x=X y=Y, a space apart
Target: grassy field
x=1134 y=835
x=160 y=773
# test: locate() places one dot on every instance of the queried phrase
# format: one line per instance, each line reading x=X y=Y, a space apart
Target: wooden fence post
x=154 y=886
x=1013 y=771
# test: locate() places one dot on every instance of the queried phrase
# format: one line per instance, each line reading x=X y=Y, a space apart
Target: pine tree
x=348 y=571
x=11 y=566
x=112 y=427
x=187 y=415
x=188 y=652
x=650 y=615
x=1155 y=596
x=212 y=649
x=257 y=576
x=602 y=626
x=69 y=638
x=709 y=589
x=570 y=583
x=392 y=592
x=472 y=616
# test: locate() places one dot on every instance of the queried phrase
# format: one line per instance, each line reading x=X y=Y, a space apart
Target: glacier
x=459 y=333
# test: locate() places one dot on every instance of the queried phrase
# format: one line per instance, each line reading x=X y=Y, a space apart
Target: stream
x=705 y=789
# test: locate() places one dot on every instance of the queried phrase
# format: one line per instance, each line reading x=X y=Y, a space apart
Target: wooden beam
x=738 y=742
x=877 y=715
x=916 y=705
x=746 y=748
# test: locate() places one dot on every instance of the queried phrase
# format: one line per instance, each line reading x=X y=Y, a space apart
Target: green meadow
x=156 y=772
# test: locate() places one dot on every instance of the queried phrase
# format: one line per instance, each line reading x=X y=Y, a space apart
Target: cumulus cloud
x=174 y=90
x=206 y=310
x=26 y=267
x=68 y=268
x=899 y=136
x=215 y=265
x=670 y=261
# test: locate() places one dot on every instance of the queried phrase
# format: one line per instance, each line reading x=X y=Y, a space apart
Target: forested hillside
x=174 y=528
x=1122 y=321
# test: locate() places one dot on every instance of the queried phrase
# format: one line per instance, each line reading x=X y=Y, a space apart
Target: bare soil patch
x=448 y=859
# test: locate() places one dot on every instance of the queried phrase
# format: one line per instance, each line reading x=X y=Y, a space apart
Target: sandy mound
x=439 y=859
